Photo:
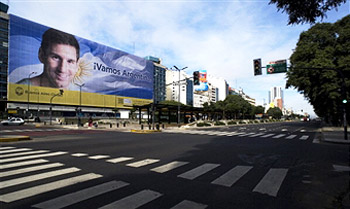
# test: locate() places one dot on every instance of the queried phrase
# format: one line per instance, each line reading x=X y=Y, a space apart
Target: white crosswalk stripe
x=43 y=188
x=196 y=172
x=29 y=169
x=267 y=135
x=271 y=182
x=81 y=195
x=189 y=205
x=255 y=135
x=36 y=177
x=119 y=159
x=32 y=157
x=23 y=163
x=6 y=148
x=134 y=201
x=14 y=150
x=98 y=157
x=23 y=153
x=279 y=136
x=143 y=163
x=233 y=175
x=79 y=154
x=291 y=137
x=304 y=137
x=169 y=166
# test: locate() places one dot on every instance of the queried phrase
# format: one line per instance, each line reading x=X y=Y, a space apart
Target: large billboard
x=43 y=60
x=203 y=83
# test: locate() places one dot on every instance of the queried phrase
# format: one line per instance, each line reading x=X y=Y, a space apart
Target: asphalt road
x=280 y=165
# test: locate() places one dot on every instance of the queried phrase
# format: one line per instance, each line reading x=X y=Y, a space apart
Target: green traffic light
x=345 y=101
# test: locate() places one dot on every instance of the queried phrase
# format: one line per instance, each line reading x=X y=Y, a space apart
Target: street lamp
x=55 y=95
x=79 y=110
x=178 y=106
x=29 y=90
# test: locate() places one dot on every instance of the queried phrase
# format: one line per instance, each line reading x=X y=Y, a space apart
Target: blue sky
x=222 y=37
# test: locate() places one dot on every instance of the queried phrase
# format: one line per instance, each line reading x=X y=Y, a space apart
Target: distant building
x=4 y=29
x=221 y=87
x=172 y=87
x=241 y=93
x=276 y=97
x=159 y=85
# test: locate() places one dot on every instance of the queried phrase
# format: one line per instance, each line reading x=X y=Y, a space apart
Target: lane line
x=142 y=163
x=32 y=191
x=23 y=153
x=189 y=205
x=23 y=180
x=134 y=201
x=18 y=164
x=119 y=159
x=32 y=156
x=81 y=195
x=271 y=182
x=30 y=169
x=232 y=176
x=196 y=172
x=169 y=166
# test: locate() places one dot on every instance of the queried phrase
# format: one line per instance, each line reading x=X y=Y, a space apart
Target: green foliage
x=306 y=11
x=323 y=47
x=201 y=124
x=219 y=123
x=275 y=113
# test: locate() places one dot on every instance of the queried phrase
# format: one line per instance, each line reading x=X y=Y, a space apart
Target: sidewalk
x=334 y=135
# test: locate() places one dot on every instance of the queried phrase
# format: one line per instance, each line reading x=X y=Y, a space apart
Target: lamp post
x=79 y=109
x=178 y=106
x=55 y=95
x=29 y=92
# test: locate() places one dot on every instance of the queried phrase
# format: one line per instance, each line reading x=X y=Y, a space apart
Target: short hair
x=53 y=36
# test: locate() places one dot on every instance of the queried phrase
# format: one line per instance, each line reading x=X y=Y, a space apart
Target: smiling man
x=59 y=52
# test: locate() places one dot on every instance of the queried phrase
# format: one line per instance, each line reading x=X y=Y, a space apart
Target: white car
x=13 y=122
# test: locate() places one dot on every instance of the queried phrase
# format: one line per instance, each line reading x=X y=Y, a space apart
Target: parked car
x=13 y=122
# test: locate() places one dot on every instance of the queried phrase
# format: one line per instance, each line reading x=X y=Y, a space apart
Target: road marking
x=189 y=204
x=142 y=163
x=267 y=135
x=119 y=159
x=169 y=166
x=98 y=157
x=278 y=136
x=79 y=154
x=262 y=129
x=29 y=169
x=247 y=134
x=6 y=148
x=291 y=137
x=31 y=162
x=23 y=153
x=304 y=137
x=25 y=193
x=134 y=201
x=36 y=177
x=14 y=150
x=284 y=130
x=341 y=168
x=255 y=135
x=271 y=182
x=232 y=176
x=194 y=173
x=32 y=156
x=81 y=195
x=302 y=131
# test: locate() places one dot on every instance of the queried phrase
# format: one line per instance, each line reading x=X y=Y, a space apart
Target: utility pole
x=178 y=106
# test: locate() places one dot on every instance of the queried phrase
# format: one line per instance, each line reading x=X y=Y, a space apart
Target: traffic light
x=196 y=78
x=257 y=67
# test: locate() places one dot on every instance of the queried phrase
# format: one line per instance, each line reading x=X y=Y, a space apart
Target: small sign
x=279 y=66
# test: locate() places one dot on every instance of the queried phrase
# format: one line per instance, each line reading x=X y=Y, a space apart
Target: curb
x=13 y=138
x=144 y=131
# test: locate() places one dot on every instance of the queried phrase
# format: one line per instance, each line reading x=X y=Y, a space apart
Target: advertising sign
x=203 y=83
x=43 y=60
x=279 y=66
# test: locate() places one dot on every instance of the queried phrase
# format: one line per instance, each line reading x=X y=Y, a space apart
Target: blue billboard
x=45 y=58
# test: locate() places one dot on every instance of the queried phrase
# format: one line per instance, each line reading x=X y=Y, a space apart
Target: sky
x=220 y=36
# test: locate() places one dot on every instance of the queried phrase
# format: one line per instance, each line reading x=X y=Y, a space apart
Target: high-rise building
x=276 y=97
x=186 y=87
x=4 y=29
x=159 y=92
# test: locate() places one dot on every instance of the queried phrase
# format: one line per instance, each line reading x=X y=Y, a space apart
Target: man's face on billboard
x=60 y=64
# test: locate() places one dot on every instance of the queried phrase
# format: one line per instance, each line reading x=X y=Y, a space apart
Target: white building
x=172 y=87
x=221 y=85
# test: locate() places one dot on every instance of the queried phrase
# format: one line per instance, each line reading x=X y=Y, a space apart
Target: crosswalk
x=240 y=134
x=18 y=164
x=33 y=130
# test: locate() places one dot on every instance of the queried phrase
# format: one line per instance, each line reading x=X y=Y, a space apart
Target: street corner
x=13 y=138
x=145 y=131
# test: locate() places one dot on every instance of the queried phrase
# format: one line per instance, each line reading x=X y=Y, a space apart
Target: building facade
x=179 y=80
x=276 y=97
x=159 y=86
x=4 y=29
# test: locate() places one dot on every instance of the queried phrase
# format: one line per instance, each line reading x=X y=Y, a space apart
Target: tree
x=306 y=11
x=275 y=112
x=323 y=47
